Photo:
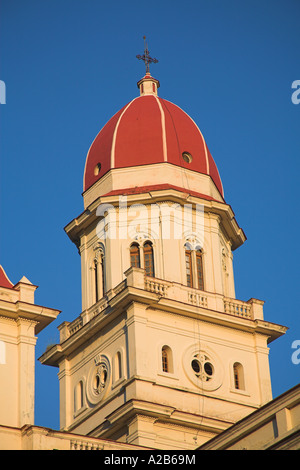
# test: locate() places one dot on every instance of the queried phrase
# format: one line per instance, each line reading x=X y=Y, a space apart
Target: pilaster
x=215 y=253
x=26 y=351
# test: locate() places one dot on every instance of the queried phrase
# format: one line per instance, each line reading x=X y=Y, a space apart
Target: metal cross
x=146 y=57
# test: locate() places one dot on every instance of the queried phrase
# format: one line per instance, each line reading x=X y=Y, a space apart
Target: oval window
x=97 y=169
x=196 y=366
x=208 y=367
x=187 y=157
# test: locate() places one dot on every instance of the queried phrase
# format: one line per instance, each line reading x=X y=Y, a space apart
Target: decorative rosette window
x=203 y=368
x=98 y=379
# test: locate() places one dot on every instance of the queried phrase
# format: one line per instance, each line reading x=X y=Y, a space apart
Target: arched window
x=135 y=256
x=118 y=366
x=103 y=274
x=166 y=359
x=95 y=267
x=238 y=376
x=194 y=267
x=148 y=259
x=78 y=398
x=199 y=268
x=189 y=268
x=99 y=275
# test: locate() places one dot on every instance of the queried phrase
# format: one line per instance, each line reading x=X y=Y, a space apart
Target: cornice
x=117 y=304
x=32 y=312
x=220 y=211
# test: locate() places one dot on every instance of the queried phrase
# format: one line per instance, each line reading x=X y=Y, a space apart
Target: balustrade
x=238 y=308
x=174 y=291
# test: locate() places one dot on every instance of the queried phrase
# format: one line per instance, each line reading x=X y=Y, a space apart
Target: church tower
x=163 y=355
x=20 y=320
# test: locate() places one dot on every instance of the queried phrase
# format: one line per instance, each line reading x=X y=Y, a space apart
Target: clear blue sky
x=69 y=65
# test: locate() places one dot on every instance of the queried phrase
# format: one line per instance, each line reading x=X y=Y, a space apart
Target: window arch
x=135 y=260
x=194 y=267
x=98 y=268
x=95 y=268
x=166 y=359
x=78 y=396
x=148 y=259
x=199 y=269
x=188 y=267
x=118 y=366
x=238 y=376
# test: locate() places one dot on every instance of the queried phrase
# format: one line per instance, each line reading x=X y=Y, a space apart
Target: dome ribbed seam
x=113 y=145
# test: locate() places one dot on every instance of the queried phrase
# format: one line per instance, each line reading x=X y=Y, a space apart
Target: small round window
x=97 y=169
x=187 y=157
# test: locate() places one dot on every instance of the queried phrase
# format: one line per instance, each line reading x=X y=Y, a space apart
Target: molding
x=121 y=301
x=218 y=208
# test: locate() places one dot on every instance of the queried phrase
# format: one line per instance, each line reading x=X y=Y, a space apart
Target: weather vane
x=146 y=57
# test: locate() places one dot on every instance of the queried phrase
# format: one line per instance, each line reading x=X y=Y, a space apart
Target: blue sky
x=69 y=65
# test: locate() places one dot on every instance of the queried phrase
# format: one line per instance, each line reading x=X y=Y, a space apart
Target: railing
x=95 y=443
x=136 y=277
x=85 y=445
x=238 y=308
x=197 y=299
x=173 y=290
x=98 y=308
x=75 y=325
x=156 y=286
x=119 y=287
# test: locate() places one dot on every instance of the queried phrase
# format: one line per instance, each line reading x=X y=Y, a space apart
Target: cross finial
x=146 y=57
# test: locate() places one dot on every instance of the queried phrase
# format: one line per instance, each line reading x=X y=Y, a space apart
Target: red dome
x=146 y=131
x=4 y=281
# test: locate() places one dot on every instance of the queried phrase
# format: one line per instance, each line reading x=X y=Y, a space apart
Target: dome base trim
x=152 y=175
